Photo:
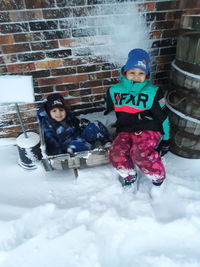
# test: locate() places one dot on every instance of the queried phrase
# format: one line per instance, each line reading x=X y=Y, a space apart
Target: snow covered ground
x=50 y=219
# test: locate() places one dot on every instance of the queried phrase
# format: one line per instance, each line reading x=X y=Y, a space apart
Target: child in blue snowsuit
x=63 y=132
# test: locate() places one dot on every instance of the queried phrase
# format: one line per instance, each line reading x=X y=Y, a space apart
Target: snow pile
x=52 y=219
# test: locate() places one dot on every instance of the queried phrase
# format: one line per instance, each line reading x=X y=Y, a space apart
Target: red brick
x=173 y=15
x=11 y=4
x=48 y=45
x=14 y=131
x=39 y=4
x=44 y=89
x=76 y=78
x=80 y=92
x=26 y=15
x=98 y=90
x=156 y=34
x=74 y=61
x=16 y=48
x=48 y=64
x=73 y=101
x=115 y=73
x=168 y=5
x=159 y=25
x=21 y=37
x=20 y=67
x=67 y=87
x=88 y=84
x=99 y=75
x=146 y=7
x=191 y=12
x=65 y=43
x=170 y=33
x=64 y=94
x=50 y=81
x=6 y=39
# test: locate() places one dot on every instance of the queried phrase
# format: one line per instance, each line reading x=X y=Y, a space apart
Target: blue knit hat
x=138 y=58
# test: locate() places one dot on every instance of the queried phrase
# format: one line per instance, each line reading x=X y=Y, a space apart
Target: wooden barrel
x=185 y=82
x=184 y=94
x=185 y=123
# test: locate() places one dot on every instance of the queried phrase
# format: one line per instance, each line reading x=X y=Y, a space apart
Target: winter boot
x=157 y=190
x=129 y=182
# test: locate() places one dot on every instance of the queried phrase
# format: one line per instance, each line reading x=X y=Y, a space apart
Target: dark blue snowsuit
x=67 y=136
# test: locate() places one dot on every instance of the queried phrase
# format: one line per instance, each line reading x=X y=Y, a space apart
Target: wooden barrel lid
x=191 y=22
x=188 y=51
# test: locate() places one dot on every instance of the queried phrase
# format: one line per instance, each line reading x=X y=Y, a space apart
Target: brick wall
x=44 y=38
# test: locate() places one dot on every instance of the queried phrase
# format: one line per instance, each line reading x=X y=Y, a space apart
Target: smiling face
x=58 y=114
x=136 y=75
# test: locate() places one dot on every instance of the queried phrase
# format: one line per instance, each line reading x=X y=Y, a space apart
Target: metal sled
x=75 y=161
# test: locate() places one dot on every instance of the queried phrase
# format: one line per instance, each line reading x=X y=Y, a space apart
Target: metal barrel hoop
x=178 y=133
x=174 y=104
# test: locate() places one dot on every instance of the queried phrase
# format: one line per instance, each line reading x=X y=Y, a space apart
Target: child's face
x=58 y=114
x=136 y=75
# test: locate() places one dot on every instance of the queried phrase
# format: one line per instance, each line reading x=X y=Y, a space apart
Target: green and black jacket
x=138 y=107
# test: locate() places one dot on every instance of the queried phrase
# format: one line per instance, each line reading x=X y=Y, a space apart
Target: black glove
x=163 y=147
x=83 y=123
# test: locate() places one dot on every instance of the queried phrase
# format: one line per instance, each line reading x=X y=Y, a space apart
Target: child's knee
x=95 y=131
x=78 y=146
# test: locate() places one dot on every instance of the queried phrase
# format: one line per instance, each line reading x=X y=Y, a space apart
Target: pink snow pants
x=130 y=149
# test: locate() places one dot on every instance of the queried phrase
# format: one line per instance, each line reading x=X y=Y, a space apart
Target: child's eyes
x=140 y=73
x=60 y=109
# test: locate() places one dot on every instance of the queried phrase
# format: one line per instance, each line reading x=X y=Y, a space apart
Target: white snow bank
x=52 y=219
x=7 y=141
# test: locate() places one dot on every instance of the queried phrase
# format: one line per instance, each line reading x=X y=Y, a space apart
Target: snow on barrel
x=29 y=150
x=184 y=94
x=21 y=91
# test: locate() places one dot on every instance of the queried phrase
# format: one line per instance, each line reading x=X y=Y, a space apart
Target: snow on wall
x=126 y=29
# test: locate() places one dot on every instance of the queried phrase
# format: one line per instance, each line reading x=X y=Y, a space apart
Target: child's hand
x=83 y=123
x=163 y=147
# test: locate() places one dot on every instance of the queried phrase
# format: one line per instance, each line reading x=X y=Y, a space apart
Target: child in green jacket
x=142 y=122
